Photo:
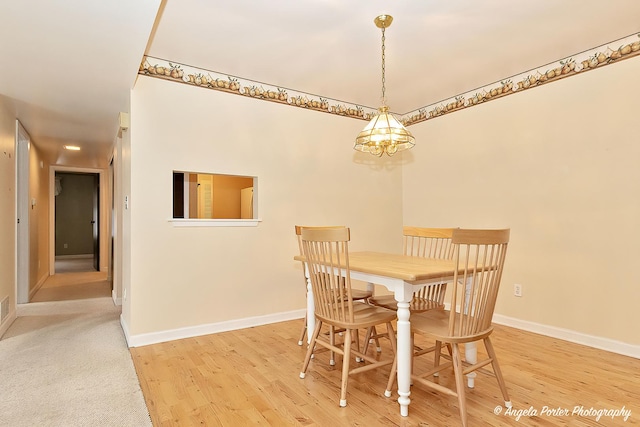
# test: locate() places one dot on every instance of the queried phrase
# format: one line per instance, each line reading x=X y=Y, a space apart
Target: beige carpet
x=66 y=363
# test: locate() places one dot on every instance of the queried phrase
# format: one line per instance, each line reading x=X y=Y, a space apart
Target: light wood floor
x=251 y=377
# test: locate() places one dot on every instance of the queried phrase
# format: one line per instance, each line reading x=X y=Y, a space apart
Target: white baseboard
x=211 y=328
x=79 y=256
x=116 y=300
x=11 y=317
x=606 y=344
x=125 y=329
x=571 y=336
x=38 y=285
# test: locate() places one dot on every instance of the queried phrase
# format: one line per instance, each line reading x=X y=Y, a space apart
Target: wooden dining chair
x=327 y=255
x=426 y=243
x=480 y=256
x=358 y=294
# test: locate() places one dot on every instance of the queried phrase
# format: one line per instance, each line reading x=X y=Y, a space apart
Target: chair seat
x=435 y=324
x=358 y=294
x=364 y=315
x=417 y=304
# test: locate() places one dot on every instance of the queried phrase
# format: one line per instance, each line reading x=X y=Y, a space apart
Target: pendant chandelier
x=384 y=133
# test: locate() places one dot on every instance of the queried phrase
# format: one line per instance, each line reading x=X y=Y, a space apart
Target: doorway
x=76 y=221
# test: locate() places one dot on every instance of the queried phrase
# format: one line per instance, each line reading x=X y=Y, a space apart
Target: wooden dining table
x=403 y=275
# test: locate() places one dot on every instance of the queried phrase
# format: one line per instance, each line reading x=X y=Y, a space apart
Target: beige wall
x=559 y=165
x=308 y=174
x=226 y=195
x=38 y=213
x=555 y=164
x=38 y=219
x=7 y=207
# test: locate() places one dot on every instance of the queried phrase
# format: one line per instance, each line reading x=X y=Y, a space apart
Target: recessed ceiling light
x=72 y=147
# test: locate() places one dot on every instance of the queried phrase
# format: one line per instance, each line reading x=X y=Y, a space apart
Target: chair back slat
x=428 y=242
x=299 y=228
x=480 y=256
x=327 y=254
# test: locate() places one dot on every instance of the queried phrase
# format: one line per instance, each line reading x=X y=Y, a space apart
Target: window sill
x=192 y=222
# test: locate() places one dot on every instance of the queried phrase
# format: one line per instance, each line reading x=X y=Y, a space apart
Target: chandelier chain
x=384 y=133
x=383 y=79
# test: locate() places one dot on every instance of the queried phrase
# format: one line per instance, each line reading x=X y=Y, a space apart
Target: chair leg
x=392 y=337
x=457 y=368
x=346 y=357
x=413 y=357
x=496 y=369
x=303 y=332
x=367 y=337
x=436 y=357
x=376 y=339
x=332 y=340
x=373 y=335
x=394 y=366
x=312 y=344
x=392 y=376
x=356 y=340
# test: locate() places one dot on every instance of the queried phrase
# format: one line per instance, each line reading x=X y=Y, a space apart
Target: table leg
x=471 y=356
x=404 y=357
x=311 y=316
x=371 y=288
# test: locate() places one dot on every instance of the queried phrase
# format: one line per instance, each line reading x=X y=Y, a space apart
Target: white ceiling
x=68 y=65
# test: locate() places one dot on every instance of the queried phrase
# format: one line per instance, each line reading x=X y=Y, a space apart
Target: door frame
x=22 y=148
x=52 y=209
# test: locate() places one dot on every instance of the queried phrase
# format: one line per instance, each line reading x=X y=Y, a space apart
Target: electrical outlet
x=65 y=246
x=517 y=290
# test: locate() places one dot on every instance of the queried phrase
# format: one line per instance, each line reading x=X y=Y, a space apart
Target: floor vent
x=4 y=309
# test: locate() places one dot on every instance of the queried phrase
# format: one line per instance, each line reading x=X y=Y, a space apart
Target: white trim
x=37 y=287
x=231 y=325
x=22 y=230
x=116 y=300
x=125 y=330
x=8 y=321
x=102 y=217
x=79 y=256
x=607 y=344
x=192 y=222
x=211 y=328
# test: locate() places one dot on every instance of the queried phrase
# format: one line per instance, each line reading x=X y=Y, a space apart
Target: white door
x=22 y=213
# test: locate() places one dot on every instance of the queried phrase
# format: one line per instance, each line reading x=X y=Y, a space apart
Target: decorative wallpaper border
x=591 y=59
x=214 y=80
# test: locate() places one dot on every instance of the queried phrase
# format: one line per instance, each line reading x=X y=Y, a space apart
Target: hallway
x=73 y=285
x=66 y=354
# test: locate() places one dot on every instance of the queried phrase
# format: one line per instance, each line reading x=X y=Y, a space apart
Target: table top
x=407 y=268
